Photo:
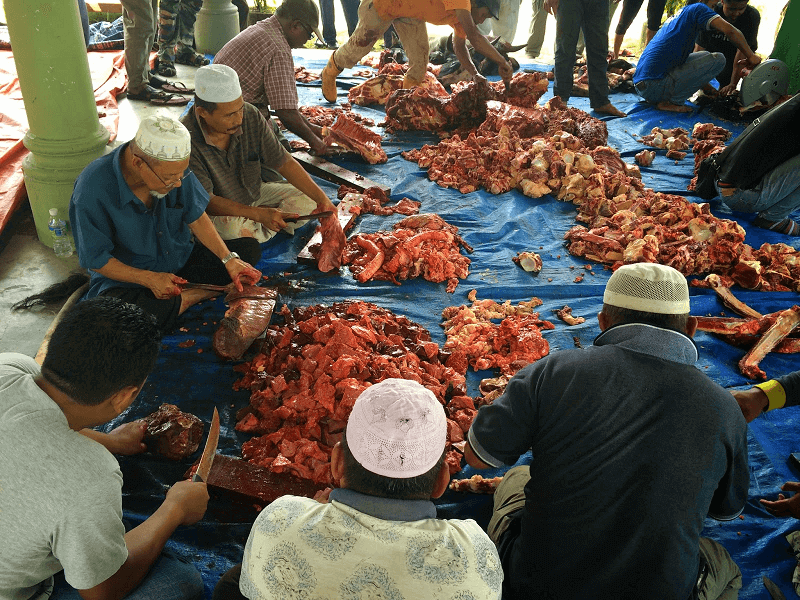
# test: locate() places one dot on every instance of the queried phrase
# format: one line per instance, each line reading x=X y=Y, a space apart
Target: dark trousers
x=202 y=267
x=327 y=13
x=227 y=588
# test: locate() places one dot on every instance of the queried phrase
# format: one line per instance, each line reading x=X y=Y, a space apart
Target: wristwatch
x=230 y=256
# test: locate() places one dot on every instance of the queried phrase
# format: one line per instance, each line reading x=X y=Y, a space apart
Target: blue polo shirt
x=673 y=43
x=108 y=220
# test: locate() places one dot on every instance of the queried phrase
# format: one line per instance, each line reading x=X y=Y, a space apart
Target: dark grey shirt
x=235 y=174
x=632 y=447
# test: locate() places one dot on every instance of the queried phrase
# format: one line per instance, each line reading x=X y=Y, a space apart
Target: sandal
x=164 y=67
x=786 y=226
x=158 y=97
x=192 y=58
x=171 y=87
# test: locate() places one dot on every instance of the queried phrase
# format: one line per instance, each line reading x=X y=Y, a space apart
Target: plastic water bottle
x=62 y=245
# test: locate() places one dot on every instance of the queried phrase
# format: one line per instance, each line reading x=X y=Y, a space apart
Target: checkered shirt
x=262 y=58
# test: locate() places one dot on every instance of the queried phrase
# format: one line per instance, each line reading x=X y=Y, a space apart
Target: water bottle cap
x=53 y=212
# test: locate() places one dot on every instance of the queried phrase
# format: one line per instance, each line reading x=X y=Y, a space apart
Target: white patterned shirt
x=262 y=58
x=301 y=549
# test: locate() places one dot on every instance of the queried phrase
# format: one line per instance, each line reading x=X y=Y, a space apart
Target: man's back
x=631 y=449
x=60 y=493
x=337 y=550
x=673 y=43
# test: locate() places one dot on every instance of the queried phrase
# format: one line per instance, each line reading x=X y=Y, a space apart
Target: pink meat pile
x=474 y=337
x=496 y=158
x=312 y=369
x=303 y=75
x=421 y=245
x=373 y=201
x=347 y=133
x=323 y=116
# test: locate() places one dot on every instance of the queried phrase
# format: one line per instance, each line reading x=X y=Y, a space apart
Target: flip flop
x=171 y=87
x=158 y=97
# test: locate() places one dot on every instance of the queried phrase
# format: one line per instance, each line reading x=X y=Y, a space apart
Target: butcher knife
x=319 y=215
x=207 y=459
x=205 y=286
x=772 y=588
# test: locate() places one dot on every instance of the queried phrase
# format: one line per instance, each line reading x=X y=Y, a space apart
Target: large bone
x=786 y=322
x=729 y=300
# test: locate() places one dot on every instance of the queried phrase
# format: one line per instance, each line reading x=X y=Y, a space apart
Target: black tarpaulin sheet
x=497 y=227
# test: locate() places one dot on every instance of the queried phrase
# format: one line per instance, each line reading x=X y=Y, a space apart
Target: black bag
x=767 y=142
x=706 y=177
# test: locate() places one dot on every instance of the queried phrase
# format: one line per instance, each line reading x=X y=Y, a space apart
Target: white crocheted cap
x=648 y=287
x=397 y=429
x=217 y=83
x=163 y=138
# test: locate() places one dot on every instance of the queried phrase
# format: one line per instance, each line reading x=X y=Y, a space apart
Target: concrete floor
x=27 y=266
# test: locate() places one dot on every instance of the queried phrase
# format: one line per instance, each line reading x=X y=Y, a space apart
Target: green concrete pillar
x=65 y=133
x=787 y=44
x=217 y=24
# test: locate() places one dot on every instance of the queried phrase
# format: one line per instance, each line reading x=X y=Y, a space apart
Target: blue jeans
x=775 y=197
x=171 y=578
x=592 y=16
x=328 y=15
x=328 y=21
x=684 y=80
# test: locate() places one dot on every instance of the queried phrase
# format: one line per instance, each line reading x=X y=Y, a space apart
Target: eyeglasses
x=308 y=30
x=171 y=184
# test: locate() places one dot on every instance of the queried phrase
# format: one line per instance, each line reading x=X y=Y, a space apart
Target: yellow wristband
x=775 y=393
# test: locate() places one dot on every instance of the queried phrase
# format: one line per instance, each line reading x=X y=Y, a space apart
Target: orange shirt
x=436 y=12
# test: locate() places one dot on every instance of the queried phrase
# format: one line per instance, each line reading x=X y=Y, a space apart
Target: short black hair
x=204 y=104
x=619 y=315
x=361 y=480
x=100 y=347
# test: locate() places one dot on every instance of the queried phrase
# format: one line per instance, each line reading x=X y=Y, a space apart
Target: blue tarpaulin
x=497 y=227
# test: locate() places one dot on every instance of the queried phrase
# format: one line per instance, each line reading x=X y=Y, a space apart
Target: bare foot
x=610 y=109
x=669 y=106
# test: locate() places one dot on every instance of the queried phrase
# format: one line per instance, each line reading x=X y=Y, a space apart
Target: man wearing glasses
x=136 y=214
x=262 y=57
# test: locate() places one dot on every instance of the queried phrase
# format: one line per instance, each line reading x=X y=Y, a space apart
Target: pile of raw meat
x=708 y=140
x=303 y=75
x=380 y=87
x=421 y=245
x=509 y=345
x=347 y=133
x=373 y=201
x=495 y=156
x=476 y=340
x=312 y=369
x=420 y=109
x=323 y=116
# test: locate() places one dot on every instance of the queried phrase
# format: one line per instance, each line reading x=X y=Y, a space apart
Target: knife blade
x=204 y=286
x=772 y=588
x=207 y=459
x=319 y=215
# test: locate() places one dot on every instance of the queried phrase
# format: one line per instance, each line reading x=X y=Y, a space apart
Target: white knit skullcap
x=163 y=138
x=397 y=429
x=648 y=287
x=217 y=83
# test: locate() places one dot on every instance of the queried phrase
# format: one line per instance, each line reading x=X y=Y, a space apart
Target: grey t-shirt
x=60 y=493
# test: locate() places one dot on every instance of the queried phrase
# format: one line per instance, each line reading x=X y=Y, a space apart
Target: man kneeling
x=379 y=535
